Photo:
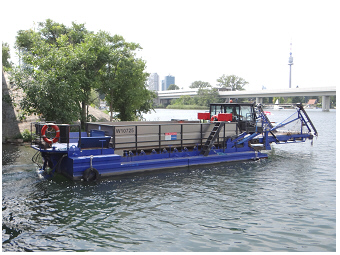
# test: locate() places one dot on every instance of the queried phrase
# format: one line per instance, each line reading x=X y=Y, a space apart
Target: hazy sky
x=202 y=40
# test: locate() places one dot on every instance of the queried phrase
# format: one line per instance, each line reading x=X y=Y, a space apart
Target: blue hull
x=116 y=149
x=73 y=164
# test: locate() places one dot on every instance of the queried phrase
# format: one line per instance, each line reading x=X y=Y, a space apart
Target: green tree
x=200 y=84
x=118 y=50
x=333 y=101
x=60 y=58
x=25 y=40
x=65 y=65
x=6 y=55
x=89 y=57
x=281 y=100
x=123 y=80
x=45 y=82
x=131 y=96
x=183 y=100
x=205 y=97
x=94 y=99
x=299 y=99
x=232 y=81
x=173 y=87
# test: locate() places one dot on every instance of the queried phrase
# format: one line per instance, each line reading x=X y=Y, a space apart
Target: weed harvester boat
x=227 y=133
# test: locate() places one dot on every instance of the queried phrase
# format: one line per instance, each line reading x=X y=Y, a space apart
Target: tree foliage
x=131 y=97
x=232 y=81
x=280 y=100
x=173 y=87
x=184 y=100
x=200 y=84
x=205 y=97
x=6 y=55
x=44 y=79
x=64 y=65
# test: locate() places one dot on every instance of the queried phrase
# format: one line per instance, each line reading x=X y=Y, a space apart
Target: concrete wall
x=10 y=125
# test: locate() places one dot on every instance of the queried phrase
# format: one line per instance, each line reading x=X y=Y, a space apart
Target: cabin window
x=213 y=110
x=228 y=109
x=233 y=109
x=216 y=109
x=246 y=112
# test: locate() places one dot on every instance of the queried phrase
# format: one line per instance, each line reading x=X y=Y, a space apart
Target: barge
x=228 y=132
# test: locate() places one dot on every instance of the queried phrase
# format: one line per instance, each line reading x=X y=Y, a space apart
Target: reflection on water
x=284 y=203
x=16 y=155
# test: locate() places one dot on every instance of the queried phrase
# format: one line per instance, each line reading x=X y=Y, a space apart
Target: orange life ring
x=55 y=139
x=213 y=118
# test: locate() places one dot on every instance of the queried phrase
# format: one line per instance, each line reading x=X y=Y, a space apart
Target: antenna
x=290 y=63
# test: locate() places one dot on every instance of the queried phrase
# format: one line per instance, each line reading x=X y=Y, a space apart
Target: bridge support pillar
x=259 y=100
x=157 y=101
x=326 y=103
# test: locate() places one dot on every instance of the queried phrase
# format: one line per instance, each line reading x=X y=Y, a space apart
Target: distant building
x=312 y=102
x=168 y=80
x=153 y=82
x=102 y=104
x=163 y=85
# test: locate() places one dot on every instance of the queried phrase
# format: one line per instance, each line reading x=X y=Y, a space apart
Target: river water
x=284 y=203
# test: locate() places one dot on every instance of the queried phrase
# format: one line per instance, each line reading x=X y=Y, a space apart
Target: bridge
x=325 y=92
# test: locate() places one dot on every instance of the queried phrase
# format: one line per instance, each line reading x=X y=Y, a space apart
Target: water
x=284 y=203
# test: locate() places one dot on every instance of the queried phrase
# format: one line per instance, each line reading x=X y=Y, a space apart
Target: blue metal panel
x=94 y=132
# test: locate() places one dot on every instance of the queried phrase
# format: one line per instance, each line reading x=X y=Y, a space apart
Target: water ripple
x=284 y=203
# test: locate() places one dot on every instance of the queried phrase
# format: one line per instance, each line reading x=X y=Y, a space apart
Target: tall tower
x=153 y=82
x=290 y=63
x=168 y=80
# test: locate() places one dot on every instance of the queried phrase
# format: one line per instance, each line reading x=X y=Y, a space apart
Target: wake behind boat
x=227 y=133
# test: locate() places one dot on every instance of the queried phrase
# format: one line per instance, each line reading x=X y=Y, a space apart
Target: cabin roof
x=234 y=104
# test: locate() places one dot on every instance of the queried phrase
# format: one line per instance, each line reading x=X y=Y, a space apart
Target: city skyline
x=153 y=82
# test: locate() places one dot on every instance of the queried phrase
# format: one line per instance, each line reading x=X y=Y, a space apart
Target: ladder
x=211 y=139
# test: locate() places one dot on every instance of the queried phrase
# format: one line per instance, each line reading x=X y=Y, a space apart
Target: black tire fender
x=91 y=174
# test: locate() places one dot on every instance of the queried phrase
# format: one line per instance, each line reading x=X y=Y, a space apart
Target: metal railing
x=64 y=132
x=180 y=141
